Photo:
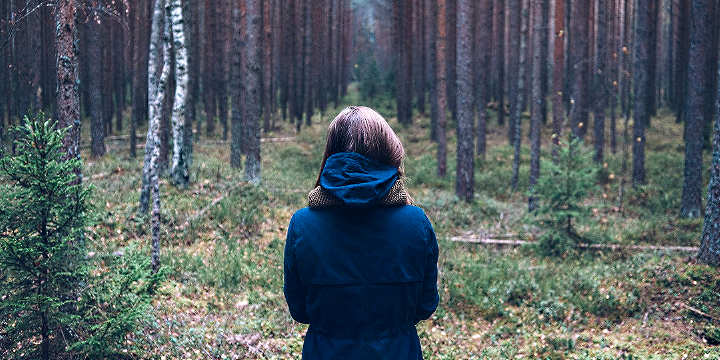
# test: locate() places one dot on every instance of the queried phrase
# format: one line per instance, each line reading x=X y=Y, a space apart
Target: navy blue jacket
x=362 y=275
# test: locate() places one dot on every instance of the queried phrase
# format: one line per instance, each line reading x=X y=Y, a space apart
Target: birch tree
x=179 y=170
x=154 y=136
x=155 y=67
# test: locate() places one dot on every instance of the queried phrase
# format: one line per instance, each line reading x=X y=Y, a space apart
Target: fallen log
x=510 y=242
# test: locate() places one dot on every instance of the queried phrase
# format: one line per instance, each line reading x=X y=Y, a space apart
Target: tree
x=578 y=61
x=558 y=80
x=139 y=73
x=238 y=131
x=514 y=29
x=499 y=58
x=432 y=19
x=536 y=105
x=210 y=82
x=465 y=169
x=710 y=243
x=251 y=90
x=95 y=59
x=441 y=85
x=698 y=84
x=156 y=61
x=68 y=96
x=41 y=259
x=483 y=56
x=179 y=170
x=641 y=86
x=600 y=81
x=403 y=44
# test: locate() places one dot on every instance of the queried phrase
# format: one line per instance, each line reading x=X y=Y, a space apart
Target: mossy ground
x=223 y=297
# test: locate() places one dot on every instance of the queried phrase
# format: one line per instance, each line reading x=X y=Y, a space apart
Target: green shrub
x=55 y=297
x=560 y=192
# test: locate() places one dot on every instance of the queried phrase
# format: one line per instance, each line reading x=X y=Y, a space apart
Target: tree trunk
x=237 y=132
x=154 y=134
x=536 y=105
x=179 y=171
x=699 y=82
x=499 y=58
x=95 y=83
x=431 y=11
x=210 y=83
x=251 y=93
x=483 y=48
x=68 y=97
x=600 y=87
x=465 y=169
x=710 y=243
x=641 y=84
x=578 y=60
x=267 y=46
x=403 y=18
x=139 y=74
x=156 y=61
x=558 y=75
x=441 y=73
x=516 y=66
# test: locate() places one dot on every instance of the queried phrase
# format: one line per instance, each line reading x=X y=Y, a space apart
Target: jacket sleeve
x=293 y=288
x=429 y=296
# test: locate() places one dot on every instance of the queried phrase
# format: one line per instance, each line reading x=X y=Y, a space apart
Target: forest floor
x=223 y=295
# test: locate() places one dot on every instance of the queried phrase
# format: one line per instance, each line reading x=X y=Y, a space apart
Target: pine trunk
x=641 y=87
x=441 y=73
x=536 y=105
x=499 y=59
x=578 y=60
x=699 y=83
x=710 y=242
x=251 y=93
x=600 y=81
x=483 y=48
x=95 y=83
x=464 y=180
x=558 y=75
x=68 y=96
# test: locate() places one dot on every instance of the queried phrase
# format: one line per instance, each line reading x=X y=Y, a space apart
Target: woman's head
x=362 y=130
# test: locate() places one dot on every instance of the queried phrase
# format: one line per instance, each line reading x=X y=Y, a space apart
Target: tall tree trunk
x=441 y=73
x=156 y=66
x=236 y=83
x=139 y=74
x=68 y=96
x=451 y=56
x=699 y=82
x=578 y=59
x=431 y=11
x=515 y=93
x=641 y=87
x=483 y=48
x=403 y=19
x=210 y=82
x=710 y=242
x=179 y=171
x=267 y=46
x=499 y=58
x=251 y=93
x=154 y=137
x=600 y=80
x=307 y=65
x=465 y=169
x=95 y=82
x=536 y=105
x=558 y=74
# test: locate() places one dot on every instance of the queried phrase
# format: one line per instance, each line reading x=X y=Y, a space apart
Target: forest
x=152 y=153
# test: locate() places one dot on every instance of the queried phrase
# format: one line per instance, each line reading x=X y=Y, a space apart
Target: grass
x=223 y=299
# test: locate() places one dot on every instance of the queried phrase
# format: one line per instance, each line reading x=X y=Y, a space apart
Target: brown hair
x=362 y=130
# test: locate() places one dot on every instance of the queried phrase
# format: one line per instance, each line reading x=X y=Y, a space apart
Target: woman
x=360 y=261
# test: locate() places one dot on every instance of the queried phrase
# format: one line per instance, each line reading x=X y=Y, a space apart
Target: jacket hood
x=357 y=180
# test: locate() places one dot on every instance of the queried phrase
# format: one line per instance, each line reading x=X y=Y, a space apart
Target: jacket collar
x=321 y=198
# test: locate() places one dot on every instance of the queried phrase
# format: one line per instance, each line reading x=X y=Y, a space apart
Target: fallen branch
x=491 y=241
x=698 y=311
x=201 y=213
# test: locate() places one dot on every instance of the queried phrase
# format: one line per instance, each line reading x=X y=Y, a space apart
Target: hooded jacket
x=360 y=264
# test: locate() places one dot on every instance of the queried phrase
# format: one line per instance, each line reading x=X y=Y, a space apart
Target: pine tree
x=710 y=242
x=252 y=111
x=558 y=74
x=41 y=243
x=536 y=106
x=465 y=169
x=640 y=88
x=441 y=73
x=68 y=97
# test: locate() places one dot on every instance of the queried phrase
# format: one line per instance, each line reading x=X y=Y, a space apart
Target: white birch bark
x=155 y=67
x=179 y=169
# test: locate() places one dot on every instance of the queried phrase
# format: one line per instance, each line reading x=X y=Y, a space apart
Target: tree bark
x=156 y=61
x=236 y=144
x=699 y=83
x=95 y=61
x=641 y=86
x=499 y=58
x=251 y=93
x=441 y=73
x=600 y=81
x=483 y=48
x=558 y=75
x=179 y=170
x=516 y=67
x=431 y=10
x=68 y=96
x=710 y=242
x=536 y=105
x=578 y=59
x=465 y=169
x=403 y=19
